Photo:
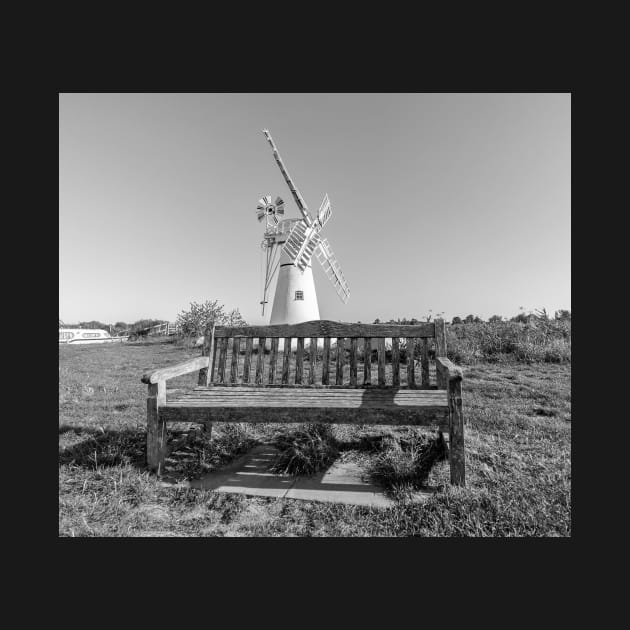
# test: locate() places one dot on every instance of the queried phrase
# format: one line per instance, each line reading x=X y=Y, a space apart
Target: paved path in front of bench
x=250 y=475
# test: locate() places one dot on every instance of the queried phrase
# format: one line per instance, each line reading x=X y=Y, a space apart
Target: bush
x=193 y=322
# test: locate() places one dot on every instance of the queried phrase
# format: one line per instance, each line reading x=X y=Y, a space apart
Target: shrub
x=193 y=322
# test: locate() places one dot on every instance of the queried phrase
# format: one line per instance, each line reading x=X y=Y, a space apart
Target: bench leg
x=456 y=455
x=156 y=428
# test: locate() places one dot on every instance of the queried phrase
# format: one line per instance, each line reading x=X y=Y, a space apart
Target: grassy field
x=518 y=457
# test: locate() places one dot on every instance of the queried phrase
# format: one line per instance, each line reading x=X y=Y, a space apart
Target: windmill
x=289 y=245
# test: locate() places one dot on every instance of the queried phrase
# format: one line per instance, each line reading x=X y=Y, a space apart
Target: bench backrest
x=335 y=354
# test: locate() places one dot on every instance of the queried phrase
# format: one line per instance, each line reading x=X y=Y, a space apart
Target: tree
x=469 y=319
x=456 y=320
x=562 y=314
x=377 y=321
x=495 y=318
x=193 y=322
x=94 y=324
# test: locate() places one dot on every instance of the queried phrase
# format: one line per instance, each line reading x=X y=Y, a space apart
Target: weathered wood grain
x=247 y=362
x=236 y=346
x=207 y=350
x=326 y=362
x=353 y=361
x=176 y=370
x=273 y=359
x=312 y=360
x=380 y=346
x=447 y=371
x=326 y=328
x=424 y=361
x=299 y=360
x=222 y=360
x=156 y=427
x=440 y=338
x=367 y=361
x=286 y=360
x=395 y=362
x=424 y=417
x=260 y=358
x=242 y=394
x=457 y=455
x=411 y=353
x=340 y=359
x=213 y=364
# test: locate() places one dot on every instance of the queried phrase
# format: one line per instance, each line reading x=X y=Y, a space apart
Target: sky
x=441 y=203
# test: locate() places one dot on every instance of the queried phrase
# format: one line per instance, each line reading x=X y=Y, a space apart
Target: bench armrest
x=447 y=371
x=164 y=374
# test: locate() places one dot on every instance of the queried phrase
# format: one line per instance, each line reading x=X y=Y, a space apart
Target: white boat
x=86 y=335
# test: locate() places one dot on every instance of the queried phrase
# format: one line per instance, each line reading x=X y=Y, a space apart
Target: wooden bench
x=275 y=387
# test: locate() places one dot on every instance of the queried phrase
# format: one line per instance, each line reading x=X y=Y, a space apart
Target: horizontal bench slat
x=308 y=398
x=327 y=328
x=365 y=415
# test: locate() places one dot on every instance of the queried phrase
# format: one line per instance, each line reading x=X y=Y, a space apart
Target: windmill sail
x=301 y=243
x=324 y=213
x=299 y=200
x=332 y=269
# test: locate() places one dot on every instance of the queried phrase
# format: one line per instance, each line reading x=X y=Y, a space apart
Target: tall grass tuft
x=404 y=464
x=305 y=451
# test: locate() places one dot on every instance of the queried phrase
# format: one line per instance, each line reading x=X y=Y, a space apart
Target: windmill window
x=299 y=295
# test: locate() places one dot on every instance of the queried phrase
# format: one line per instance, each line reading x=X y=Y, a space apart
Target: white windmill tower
x=290 y=245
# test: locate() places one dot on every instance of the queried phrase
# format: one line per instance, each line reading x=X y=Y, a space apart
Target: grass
x=518 y=457
x=538 y=341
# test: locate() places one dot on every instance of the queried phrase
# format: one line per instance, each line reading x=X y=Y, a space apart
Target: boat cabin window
x=299 y=295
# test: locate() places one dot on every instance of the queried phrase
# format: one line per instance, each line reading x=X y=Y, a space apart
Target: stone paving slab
x=250 y=475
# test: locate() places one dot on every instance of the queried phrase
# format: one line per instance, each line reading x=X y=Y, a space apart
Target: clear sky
x=453 y=203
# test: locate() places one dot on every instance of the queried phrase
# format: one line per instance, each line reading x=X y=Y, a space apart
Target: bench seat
x=338 y=405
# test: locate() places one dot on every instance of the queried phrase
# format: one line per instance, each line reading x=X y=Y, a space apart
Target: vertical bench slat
x=340 y=360
x=411 y=347
x=273 y=359
x=440 y=338
x=214 y=367
x=236 y=346
x=222 y=358
x=326 y=361
x=313 y=360
x=299 y=360
x=380 y=345
x=208 y=350
x=353 y=362
x=367 y=361
x=395 y=362
x=424 y=361
x=259 y=360
x=247 y=364
x=286 y=356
